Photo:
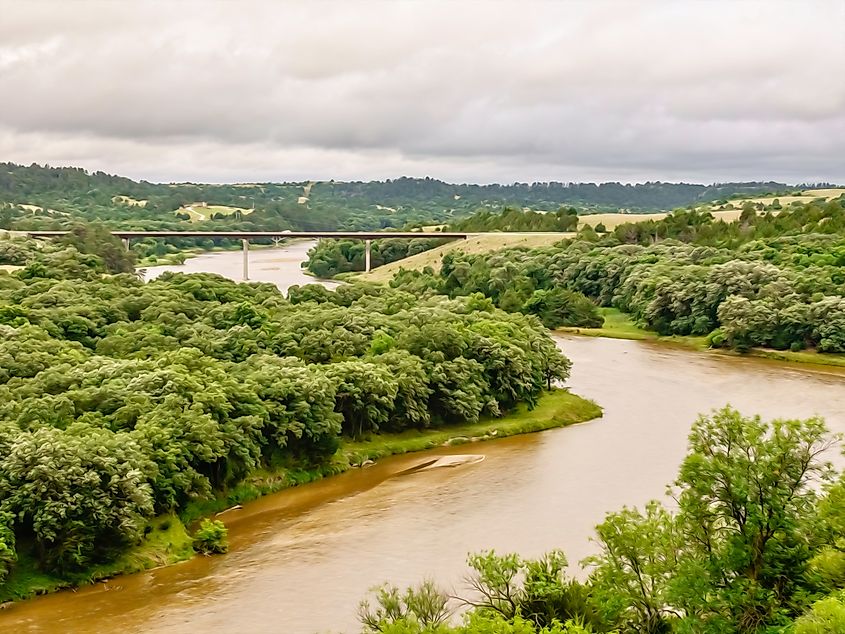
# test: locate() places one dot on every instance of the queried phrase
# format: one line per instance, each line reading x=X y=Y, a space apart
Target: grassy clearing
x=834 y=359
x=166 y=542
x=486 y=243
x=203 y=211
x=619 y=325
x=805 y=196
x=557 y=408
x=613 y=220
x=132 y=202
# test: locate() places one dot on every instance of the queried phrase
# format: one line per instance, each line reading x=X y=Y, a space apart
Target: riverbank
x=619 y=325
x=179 y=257
x=167 y=538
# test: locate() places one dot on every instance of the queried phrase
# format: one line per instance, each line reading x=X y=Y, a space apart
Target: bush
x=826 y=617
x=212 y=537
x=827 y=568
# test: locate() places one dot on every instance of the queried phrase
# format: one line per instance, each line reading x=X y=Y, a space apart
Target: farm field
x=806 y=196
x=200 y=212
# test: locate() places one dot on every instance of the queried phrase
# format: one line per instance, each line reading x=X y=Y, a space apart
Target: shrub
x=827 y=568
x=825 y=617
x=212 y=537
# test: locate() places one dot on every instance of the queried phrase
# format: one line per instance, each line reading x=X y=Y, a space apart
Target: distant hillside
x=655 y=196
x=41 y=196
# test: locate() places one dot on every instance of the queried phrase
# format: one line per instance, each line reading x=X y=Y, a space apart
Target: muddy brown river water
x=302 y=559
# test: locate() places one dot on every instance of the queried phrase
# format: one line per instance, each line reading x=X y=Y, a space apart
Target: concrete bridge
x=246 y=236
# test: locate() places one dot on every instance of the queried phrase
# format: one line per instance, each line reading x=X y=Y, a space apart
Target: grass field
x=613 y=220
x=617 y=325
x=198 y=212
x=475 y=244
x=37 y=209
x=806 y=196
x=132 y=202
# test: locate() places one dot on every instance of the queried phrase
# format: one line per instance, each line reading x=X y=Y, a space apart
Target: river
x=303 y=558
x=279 y=266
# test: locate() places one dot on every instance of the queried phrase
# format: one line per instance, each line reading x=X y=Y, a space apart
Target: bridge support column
x=367 y=244
x=246 y=259
x=126 y=243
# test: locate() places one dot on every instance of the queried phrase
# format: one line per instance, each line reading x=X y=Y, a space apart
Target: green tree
x=212 y=537
x=424 y=608
x=83 y=492
x=559 y=307
x=631 y=575
x=827 y=616
x=745 y=494
x=97 y=239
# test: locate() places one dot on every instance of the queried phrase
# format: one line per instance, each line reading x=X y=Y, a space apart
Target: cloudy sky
x=479 y=91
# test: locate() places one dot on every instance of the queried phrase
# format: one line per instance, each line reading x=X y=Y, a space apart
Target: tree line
x=44 y=197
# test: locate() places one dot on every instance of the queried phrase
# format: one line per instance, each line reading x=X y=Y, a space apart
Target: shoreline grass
x=618 y=325
x=167 y=538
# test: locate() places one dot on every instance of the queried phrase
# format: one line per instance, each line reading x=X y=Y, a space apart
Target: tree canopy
x=121 y=399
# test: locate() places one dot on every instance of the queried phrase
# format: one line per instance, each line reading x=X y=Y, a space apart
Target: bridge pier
x=367 y=244
x=126 y=243
x=246 y=259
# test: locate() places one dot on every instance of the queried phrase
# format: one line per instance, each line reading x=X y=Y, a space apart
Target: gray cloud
x=480 y=91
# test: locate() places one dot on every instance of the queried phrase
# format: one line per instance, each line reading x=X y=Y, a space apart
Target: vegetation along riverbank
x=749 y=544
x=130 y=410
x=618 y=325
x=772 y=281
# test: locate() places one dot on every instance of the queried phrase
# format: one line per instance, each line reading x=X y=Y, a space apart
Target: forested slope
x=45 y=197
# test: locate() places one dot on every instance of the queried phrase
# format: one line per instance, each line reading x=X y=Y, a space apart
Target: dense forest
x=46 y=197
x=751 y=542
x=765 y=280
x=121 y=400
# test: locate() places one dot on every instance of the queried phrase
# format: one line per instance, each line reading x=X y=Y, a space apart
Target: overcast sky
x=463 y=91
